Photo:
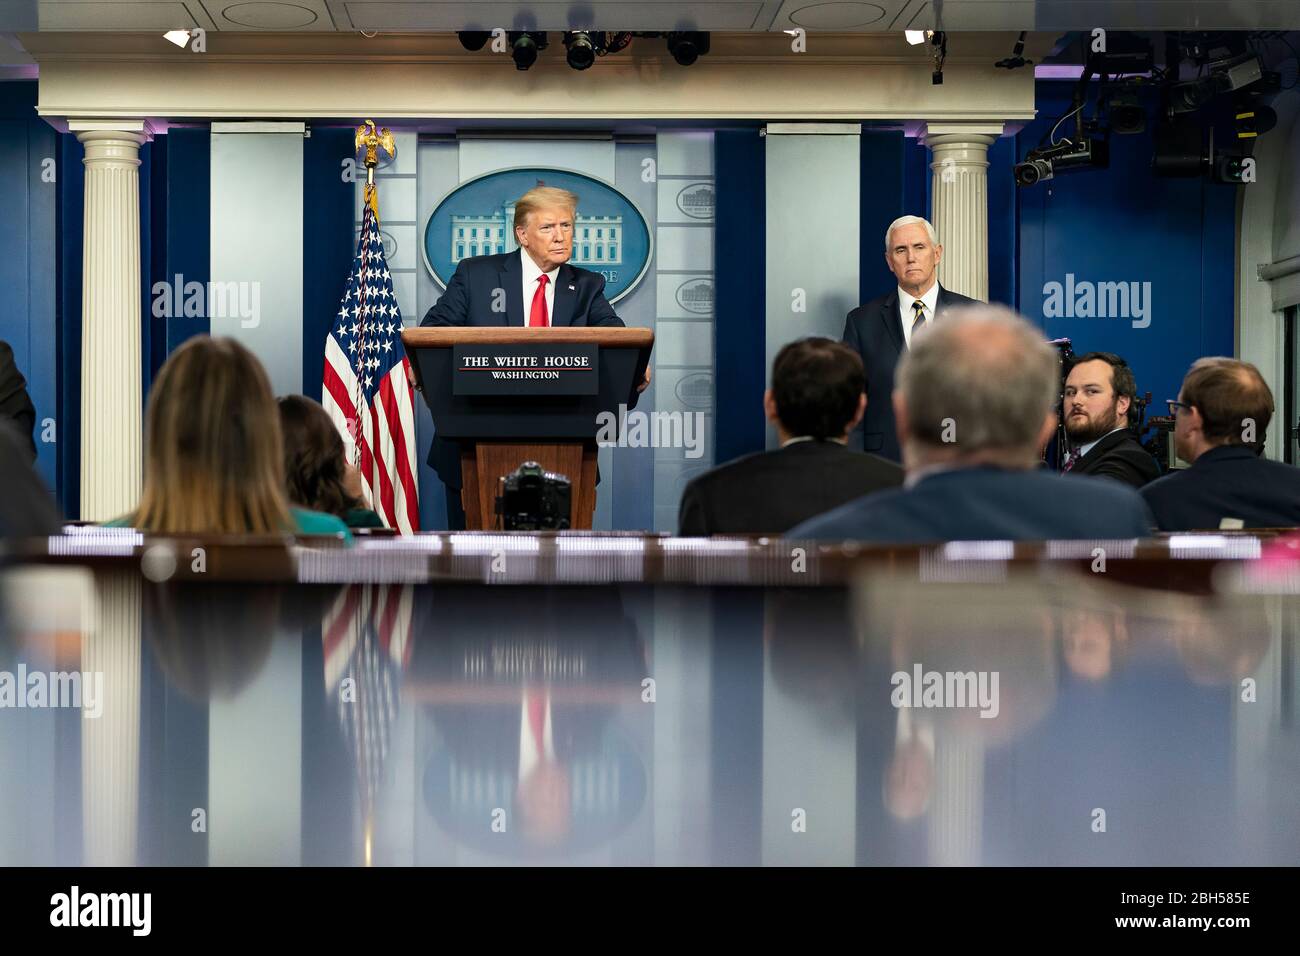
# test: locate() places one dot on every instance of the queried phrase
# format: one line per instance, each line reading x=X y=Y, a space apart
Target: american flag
x=367 y=636
x=366 y=390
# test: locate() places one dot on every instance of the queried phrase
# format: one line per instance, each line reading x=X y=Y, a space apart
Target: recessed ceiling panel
x=272 y=16
x=114 y=15
x=419 y=15
x=837 y=15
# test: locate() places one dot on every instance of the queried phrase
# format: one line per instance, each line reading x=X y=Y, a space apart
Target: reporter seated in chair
x=975 y=404
x=317 y=474
x=815 y=400
x=213 y=450
x=1220 y=419
x=1100 y=393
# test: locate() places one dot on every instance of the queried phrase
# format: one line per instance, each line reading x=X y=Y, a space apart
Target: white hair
x=987 y=370
x=909 y=221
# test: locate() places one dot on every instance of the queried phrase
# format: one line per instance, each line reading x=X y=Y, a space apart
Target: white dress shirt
x=531 y=274
x=905 y=299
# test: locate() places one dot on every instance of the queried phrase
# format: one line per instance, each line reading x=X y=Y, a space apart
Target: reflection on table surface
x=973 y=712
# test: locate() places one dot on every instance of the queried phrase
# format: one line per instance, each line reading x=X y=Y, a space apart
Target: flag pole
x=369 y=140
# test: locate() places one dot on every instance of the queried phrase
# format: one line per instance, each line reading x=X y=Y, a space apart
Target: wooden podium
x=501 y=422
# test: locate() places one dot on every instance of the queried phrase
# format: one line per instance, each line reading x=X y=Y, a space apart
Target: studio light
x=524 y=48
x=1179 y=148
x=1017 y=58
x=473 y=40
x=1127 y=115
x=580 y=51
x=180 y=37
x=687 y=47
x=939 y=40
x=916 y=37
x=1252 y=120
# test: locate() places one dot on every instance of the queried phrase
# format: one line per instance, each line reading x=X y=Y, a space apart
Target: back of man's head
x=1235 y=402
x=981 y=381
x=817 y=384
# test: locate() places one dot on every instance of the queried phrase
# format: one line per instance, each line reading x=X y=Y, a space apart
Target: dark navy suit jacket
x=875 y=332
x=1227 y=482
x=15 y=404
x=770 y=491
x=1119 y=456
x=987 y=504
x=469 y=299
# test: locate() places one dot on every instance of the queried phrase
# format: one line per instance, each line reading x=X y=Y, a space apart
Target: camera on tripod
x=532 y=499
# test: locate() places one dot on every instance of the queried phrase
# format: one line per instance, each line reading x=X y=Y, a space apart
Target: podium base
x=484 y=463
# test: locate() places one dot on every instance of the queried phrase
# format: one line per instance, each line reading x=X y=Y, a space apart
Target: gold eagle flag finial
x=369 y=140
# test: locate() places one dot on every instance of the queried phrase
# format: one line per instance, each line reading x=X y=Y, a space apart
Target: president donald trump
x=532 y=287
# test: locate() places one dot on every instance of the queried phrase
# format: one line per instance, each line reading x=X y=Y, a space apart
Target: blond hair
x=543 y=197
x=214 y=457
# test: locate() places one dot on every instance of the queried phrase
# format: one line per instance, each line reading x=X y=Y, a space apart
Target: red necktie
x=537 y=318
x=537 y=723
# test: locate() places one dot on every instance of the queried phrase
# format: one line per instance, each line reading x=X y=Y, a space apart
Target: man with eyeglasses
x=1221 y=415
x=1099 y=395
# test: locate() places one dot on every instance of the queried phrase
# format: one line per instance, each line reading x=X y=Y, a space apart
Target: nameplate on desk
x=541 y=368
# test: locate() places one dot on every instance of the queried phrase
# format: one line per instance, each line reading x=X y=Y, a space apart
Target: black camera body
x=534 y=500
x=1043 y=164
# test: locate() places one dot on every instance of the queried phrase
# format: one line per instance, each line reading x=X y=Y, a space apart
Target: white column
x=959 y=157
x=111 y=317
x=110 y=742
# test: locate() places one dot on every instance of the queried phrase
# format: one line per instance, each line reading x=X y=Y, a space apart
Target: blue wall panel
x=28 y=188
x=42 y=291
x=1002 y=222
x=188 y=215
x=153 y=258
x=150 y=349
x=1174 y=237
x=883 y=198
x=71 y=216
x=328 y=245
x=740 y=327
